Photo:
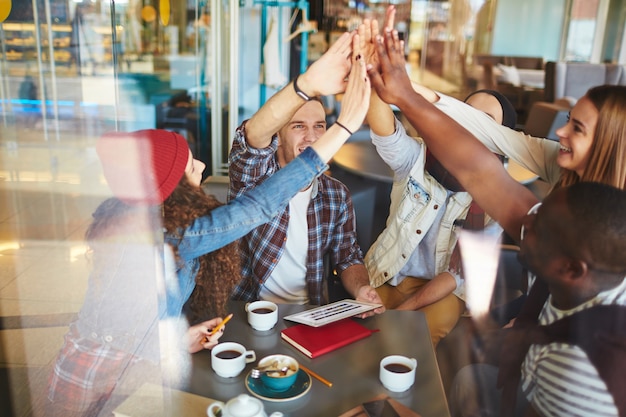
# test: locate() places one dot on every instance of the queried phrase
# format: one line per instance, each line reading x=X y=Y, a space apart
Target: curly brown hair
x=219 y=270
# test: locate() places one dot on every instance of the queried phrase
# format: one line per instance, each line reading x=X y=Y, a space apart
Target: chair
x=336 y=290
x=571 y=80
x=565 y=83
x=545 y=118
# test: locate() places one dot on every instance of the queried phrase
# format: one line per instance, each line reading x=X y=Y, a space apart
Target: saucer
x=297 y=390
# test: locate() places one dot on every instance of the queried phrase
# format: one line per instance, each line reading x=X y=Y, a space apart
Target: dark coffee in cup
x=398 y=368
x=262 y=315
x=228 y=354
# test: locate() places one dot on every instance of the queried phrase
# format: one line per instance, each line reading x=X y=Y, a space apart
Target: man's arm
x=380 y=117
x=478 y=170
x=434 y=290
x=324 y=77
x=356 y=281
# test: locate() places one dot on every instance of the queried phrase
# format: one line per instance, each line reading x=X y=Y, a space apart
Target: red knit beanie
x=143 y=167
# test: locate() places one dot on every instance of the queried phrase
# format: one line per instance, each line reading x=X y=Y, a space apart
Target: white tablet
x=330 y=313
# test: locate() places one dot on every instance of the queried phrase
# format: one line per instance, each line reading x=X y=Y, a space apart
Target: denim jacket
x=121 y=307
x=235 y=219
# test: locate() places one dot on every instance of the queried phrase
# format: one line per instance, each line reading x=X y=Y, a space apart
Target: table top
x=352 y=369
x=361 y=158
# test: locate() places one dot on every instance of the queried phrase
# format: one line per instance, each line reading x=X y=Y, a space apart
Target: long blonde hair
x=607 y=155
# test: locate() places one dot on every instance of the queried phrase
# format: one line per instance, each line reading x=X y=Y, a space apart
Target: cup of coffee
x=262 y=315
x=397 y=373
x=228 y=359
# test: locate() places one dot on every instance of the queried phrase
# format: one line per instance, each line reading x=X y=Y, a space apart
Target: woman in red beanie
x=129 y=329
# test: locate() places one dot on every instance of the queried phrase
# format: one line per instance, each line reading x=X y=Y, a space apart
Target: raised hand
x=354 y=105
x=327 y=75
x=355 y=101
x=369 y=31
x=391 y=82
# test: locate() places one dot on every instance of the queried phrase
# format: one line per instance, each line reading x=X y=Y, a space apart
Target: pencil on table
x=316 y=376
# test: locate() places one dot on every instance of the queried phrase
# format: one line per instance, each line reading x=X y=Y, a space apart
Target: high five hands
x=390 y=79
x=384 y=56
x=368 y=33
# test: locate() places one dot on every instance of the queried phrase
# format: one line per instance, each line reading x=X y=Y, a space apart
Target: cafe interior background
x=71 y=70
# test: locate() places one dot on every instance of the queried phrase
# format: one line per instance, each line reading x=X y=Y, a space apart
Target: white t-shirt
x=421 y=264
x=287 y=283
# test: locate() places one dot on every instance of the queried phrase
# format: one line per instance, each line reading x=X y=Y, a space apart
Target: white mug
x=397 y=373
x=228 y=359
x=262 y=315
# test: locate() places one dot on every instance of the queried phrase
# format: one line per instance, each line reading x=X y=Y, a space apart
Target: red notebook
x=316 y=341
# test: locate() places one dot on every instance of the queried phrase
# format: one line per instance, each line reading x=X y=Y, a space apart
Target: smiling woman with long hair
x=591 y=145
x=604 y=107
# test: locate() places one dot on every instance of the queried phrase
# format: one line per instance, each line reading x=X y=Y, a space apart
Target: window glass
x=581 y=30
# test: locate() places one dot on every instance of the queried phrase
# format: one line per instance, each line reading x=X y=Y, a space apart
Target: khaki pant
x=441 y=316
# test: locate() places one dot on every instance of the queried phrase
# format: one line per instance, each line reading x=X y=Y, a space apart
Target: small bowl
x=276 y=380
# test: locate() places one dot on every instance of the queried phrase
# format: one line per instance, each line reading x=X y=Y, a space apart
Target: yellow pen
x=222 y=324
x=217 y=328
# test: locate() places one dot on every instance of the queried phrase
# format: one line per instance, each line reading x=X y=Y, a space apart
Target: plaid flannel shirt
x=330 y=216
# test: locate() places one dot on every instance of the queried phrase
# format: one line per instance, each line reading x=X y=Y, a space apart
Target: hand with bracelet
x=327 y=75
x=353 y=107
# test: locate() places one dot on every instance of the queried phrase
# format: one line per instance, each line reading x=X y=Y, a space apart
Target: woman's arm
x=353 y=106
x=538 y=155
x=535 y=154
x=392 y=143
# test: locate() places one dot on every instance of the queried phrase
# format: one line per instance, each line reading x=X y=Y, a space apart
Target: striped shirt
x=558 y=378
x=330 y=218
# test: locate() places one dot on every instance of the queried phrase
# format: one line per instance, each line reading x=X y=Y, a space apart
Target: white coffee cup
x=397 y=373
x=228 y=359
x=262 y=315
